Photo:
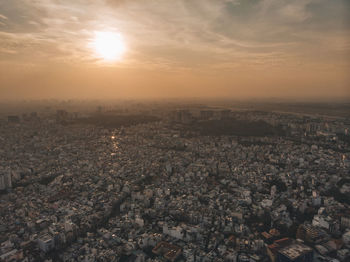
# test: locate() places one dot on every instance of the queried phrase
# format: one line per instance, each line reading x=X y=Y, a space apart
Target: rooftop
x=168 y=250
x=45 y=237
x=295 y=250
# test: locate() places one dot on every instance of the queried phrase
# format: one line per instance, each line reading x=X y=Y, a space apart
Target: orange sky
x=184 y=48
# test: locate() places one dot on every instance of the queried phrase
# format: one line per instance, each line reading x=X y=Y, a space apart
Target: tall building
x=183 y=116
x=61 y=115
x=46 y=243
x=225 y=114
x=13 y=119
x=296 y=252
x=272 y=250
x=345 y=221
x=206 y=114
x=310 y=234
x=5 y=181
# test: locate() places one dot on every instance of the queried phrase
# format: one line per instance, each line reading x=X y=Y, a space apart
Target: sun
x=109 y=46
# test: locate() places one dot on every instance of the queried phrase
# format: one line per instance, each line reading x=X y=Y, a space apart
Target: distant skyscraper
x=225 y=114
x=206 y=114
x=61 y=115
x=13 y=119
x=184 y=116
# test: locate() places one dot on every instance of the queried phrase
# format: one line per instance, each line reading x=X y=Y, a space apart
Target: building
x=345 y=221
x=169 y=251
x=311 y=234
x=296 y=252
x=272 y=250
x=13 y=119
x=206 y=114
x=224 y=114
x=320 y=221
x=243 y=258
x=46 y=243
x=13 y=255
x=61 y=115
x=183 y=116
x=5 y=181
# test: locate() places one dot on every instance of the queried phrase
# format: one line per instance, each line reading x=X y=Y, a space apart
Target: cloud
x=183 y=34
x=3 y=17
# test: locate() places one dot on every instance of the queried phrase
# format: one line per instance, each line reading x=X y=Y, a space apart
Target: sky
x=298 y=49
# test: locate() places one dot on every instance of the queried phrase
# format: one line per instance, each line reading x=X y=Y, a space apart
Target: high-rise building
x=183 y=116
x=61 y=115
x=296 y=252
x=13 y=119
x=206 y=114
x=5 y=181
x=225 y=114
x=46 y=243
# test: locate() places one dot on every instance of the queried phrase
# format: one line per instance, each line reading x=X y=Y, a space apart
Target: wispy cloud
x=184 y=34
x=3 y=17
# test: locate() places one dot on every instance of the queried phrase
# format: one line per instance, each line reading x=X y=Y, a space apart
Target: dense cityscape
x=174 y=131
x=189 y=183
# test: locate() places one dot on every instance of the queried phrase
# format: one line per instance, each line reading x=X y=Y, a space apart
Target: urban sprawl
x=186 y=186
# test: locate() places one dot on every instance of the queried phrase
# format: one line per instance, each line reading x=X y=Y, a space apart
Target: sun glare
x=109 y=45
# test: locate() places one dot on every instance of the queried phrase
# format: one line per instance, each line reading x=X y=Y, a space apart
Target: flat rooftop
x=295 y=250
x=45 y=237
x=169 y=251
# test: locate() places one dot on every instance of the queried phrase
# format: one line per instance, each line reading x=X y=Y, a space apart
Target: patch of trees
x=116 y=121
x=234 y=127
